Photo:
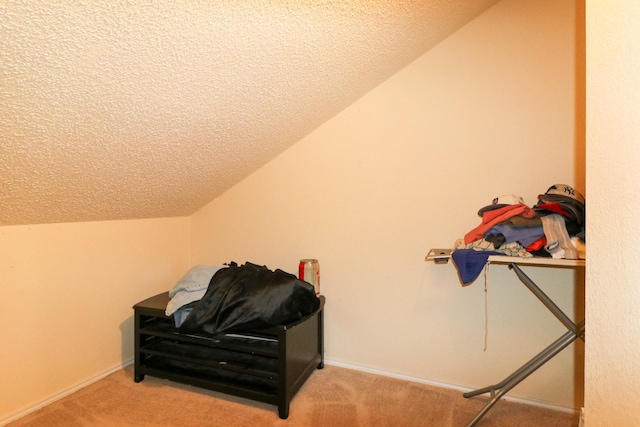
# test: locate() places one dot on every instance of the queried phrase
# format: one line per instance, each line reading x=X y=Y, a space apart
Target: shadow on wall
x=127 y=344
x=578 y=348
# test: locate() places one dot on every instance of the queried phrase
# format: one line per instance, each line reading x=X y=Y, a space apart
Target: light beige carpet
x=332 y=397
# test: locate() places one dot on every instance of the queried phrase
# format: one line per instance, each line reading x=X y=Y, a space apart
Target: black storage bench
x=268 y=365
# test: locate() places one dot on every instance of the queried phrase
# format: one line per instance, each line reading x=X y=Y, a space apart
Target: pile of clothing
x=554 y=227
x=231 y=297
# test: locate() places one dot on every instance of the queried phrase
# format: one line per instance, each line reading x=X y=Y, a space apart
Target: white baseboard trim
x=64 y=393
x=531 y=402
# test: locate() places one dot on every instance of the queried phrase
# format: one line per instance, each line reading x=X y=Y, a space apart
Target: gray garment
x=191 y=287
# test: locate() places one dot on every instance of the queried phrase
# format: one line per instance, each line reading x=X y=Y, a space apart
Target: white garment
x=558 y=241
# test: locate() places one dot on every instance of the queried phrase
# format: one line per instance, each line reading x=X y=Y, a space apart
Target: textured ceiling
x=122 y=109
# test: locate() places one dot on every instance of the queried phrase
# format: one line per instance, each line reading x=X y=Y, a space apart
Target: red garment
x=556 y=208
x=496 y=216
x=537 y=245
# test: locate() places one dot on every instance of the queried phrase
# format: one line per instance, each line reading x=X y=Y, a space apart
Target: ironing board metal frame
x=574 y=330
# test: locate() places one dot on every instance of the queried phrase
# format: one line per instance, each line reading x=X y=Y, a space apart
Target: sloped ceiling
x=123 y=109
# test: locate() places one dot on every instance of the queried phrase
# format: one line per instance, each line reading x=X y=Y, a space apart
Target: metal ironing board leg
x=574 y=331
x=566 y=321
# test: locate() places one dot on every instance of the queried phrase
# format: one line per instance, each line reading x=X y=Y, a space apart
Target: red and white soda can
x=309 y=271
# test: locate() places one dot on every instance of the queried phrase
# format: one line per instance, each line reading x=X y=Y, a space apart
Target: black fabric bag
x=250 y=297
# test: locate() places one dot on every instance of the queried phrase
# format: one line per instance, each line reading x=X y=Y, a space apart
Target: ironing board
x=574 y=330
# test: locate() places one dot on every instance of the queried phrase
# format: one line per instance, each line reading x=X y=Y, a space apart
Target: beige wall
x=67 y=292
x=613 y=155
x=398 y=172
x=491 y=110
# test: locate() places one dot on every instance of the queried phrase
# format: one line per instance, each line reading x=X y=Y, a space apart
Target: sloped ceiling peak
x=130 y=109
